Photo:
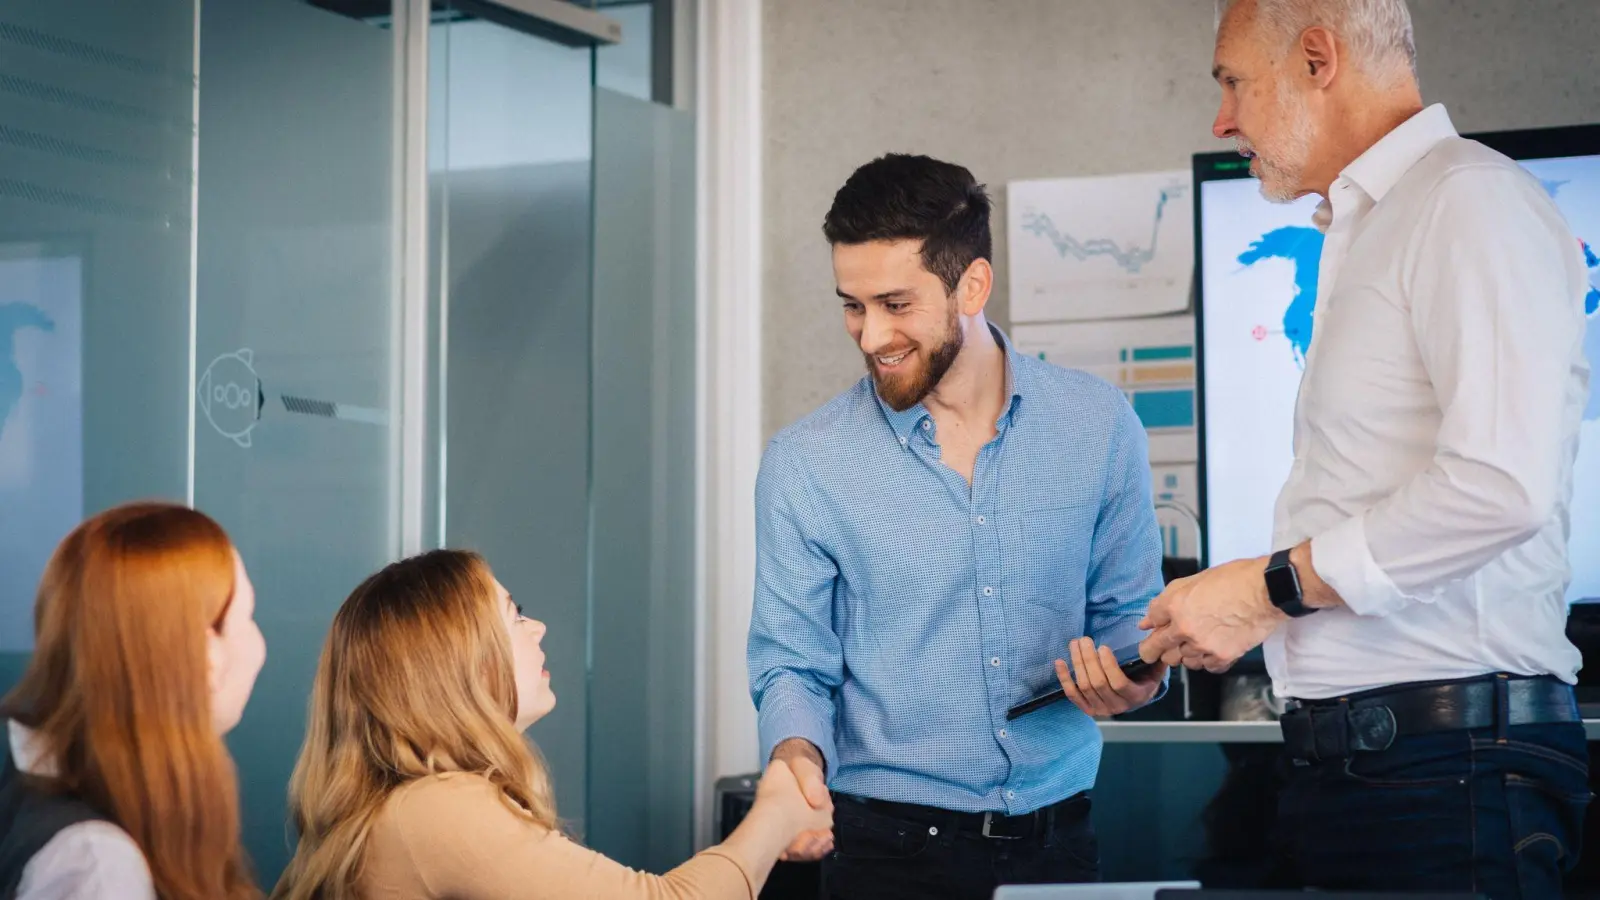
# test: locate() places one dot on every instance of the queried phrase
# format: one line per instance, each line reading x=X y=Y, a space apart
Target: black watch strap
x=1283 y=586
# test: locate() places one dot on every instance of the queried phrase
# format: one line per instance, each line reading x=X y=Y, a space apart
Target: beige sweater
x=452 y=836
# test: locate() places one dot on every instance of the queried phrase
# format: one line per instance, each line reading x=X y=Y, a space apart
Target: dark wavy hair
x=903 y=197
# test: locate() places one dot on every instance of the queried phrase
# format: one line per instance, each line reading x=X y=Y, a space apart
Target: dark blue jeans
x=1453 y=811
x=881 y=857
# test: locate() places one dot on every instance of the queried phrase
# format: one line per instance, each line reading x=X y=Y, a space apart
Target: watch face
x=1283 y=584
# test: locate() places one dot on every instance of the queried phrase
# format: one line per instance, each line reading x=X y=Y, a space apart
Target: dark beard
x=903 y=393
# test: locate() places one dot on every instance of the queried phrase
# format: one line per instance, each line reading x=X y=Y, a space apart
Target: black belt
x=992 y=825
x=1317 y=730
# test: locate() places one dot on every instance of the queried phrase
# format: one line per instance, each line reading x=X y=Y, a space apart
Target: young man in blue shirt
x=928 y=544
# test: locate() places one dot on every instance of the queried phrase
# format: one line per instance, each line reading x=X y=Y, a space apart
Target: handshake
x=795 y=788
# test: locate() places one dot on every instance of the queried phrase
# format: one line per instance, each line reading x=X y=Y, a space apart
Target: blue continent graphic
x=1301 y=246
x=1591 y=305
x=1591 y=336
x=13 y=318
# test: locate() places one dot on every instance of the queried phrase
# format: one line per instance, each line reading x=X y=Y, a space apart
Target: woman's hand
x=779 y=791
x=783 y=823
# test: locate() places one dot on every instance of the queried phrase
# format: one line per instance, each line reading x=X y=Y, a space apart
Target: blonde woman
x=415 y=780
x=115 y=781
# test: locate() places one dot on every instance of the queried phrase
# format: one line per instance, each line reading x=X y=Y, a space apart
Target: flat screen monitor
x=1255 y=288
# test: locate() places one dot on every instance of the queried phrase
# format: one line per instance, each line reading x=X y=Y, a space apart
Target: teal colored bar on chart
x=1151 y=354
x=1165 y=409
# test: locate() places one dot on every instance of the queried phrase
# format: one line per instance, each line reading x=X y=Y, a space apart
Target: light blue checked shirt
x=900 y=613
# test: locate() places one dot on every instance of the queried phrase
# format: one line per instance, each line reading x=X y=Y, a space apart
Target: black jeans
x=883 y=857
x=1450 y=811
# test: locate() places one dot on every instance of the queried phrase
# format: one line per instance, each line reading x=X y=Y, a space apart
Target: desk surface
x=1220 y=732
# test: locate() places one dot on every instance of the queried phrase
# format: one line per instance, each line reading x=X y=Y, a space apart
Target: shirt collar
x=1381 y=167
x=26 y=754
x=906 y=422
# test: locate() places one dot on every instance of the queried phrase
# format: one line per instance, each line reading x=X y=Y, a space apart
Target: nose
x=876 y=331
x=1224 y=127
x=539 y=629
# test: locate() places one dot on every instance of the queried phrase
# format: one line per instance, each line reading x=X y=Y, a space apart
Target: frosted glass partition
x=641 y=683
x=96 y=174
x=199 y=299
x=511 y=135
x=293 y=344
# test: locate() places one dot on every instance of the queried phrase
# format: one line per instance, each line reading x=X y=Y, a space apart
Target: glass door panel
x=294 y=326
x=511 y=152
x=641 y=685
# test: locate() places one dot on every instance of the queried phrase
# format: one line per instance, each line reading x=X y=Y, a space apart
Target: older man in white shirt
x=1415 y=610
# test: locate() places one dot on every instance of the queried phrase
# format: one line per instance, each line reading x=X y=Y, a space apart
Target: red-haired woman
x=117 y=782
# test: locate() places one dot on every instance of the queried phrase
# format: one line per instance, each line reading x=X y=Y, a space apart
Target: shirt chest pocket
x=1048 y=548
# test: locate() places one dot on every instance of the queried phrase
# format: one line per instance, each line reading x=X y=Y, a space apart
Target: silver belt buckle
x=988 y=817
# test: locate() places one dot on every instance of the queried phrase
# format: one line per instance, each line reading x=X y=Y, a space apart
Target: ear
x=972 y=292
x=1319 y=56
x=216 y=660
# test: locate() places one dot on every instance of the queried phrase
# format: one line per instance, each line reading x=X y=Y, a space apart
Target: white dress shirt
x=1437 y=422
x=87 y=861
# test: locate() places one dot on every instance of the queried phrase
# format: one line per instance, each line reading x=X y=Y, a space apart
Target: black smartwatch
x=1283 y=586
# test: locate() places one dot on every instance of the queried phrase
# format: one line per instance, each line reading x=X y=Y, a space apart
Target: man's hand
x=1207 y=621
x=1096 y=684
x=805 y=760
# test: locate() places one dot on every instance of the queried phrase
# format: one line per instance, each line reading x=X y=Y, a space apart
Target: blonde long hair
x=118 y=694
x=416 y=679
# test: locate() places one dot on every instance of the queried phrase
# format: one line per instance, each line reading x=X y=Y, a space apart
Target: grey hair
x=1377 y=32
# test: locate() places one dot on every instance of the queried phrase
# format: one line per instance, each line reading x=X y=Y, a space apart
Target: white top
x=1437 y=422
x=87 y=861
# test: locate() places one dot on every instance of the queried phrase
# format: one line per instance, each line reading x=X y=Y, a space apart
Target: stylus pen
x=1035 y=703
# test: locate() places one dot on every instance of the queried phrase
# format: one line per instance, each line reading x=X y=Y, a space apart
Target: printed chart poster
x=1111 y=247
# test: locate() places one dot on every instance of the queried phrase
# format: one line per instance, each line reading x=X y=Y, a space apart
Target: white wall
x=728 y=384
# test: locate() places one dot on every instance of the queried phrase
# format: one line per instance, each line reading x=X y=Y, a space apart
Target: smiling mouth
x=889 y=362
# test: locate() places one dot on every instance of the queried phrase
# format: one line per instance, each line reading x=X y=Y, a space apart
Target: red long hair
x=117 y=690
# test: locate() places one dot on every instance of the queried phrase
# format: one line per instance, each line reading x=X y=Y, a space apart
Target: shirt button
x=926 y=424
x=982 y=520
x=1011 y=795
x=988 y=592
x=933 y=830
x=902 y=442
x=995 y=662
x=1002 y=732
